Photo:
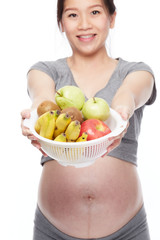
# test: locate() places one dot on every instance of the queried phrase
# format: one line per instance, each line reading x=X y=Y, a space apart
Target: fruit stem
x=94 y=99
x=77 y=122
x=59 y=94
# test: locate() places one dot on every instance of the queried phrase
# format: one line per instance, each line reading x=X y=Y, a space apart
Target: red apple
x=95 y=128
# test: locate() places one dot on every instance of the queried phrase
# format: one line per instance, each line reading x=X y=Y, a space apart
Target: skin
x=97 y=200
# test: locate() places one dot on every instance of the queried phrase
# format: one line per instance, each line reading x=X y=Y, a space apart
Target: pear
x=70 y=96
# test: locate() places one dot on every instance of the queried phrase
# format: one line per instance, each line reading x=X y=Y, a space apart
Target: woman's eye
x=95 y=12
x=72 y=15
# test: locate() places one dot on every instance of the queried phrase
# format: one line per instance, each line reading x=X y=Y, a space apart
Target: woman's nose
x=84 y=23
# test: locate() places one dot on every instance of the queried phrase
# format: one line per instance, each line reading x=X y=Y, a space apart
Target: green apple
x=96 y=108
x=70 y=96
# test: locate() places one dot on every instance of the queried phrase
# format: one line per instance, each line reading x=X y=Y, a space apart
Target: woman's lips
x=86 y=38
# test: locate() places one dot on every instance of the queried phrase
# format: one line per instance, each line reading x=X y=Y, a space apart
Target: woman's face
x=86 y=24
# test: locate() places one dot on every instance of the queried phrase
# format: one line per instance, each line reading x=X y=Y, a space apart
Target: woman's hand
x=26 y=132
x=125 y=114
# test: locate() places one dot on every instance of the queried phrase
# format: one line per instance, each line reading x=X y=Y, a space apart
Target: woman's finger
x=114 y=145
x=25 y=113
x=116 y=141
x=32 y=137
x=44 y=154
x=36 y=144
x=26 y=131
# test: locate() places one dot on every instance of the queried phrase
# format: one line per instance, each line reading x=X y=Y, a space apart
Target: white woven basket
x=78 y=154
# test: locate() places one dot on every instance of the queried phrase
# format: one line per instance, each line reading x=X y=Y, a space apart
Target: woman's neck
x=78 y=61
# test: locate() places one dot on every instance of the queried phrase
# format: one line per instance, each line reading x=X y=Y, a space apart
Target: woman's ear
x=112 y=19
x=61 y=26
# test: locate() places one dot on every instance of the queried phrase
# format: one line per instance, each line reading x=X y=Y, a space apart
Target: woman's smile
x=86 y=38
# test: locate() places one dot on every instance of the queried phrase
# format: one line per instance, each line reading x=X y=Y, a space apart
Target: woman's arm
x=133 y=93
x=40 y=87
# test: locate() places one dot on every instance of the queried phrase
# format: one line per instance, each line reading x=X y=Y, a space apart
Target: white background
x=29 y=34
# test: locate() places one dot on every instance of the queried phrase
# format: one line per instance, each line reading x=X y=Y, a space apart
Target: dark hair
x=60 y=5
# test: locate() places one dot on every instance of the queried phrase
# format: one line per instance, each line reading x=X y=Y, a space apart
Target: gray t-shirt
x=61 y=74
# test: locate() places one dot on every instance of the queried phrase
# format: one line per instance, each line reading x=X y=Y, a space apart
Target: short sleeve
x=141 y=66
x=46 y=67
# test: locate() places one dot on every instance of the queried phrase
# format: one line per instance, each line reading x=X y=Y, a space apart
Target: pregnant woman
x=103 y=201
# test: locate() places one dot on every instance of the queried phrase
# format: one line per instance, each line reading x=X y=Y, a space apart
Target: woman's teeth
x=87 y=36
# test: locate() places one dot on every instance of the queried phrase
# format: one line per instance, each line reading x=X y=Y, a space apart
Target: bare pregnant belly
x=90 y=202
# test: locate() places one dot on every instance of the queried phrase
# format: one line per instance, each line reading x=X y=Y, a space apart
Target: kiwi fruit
x=46 y=106
x=74 y=113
